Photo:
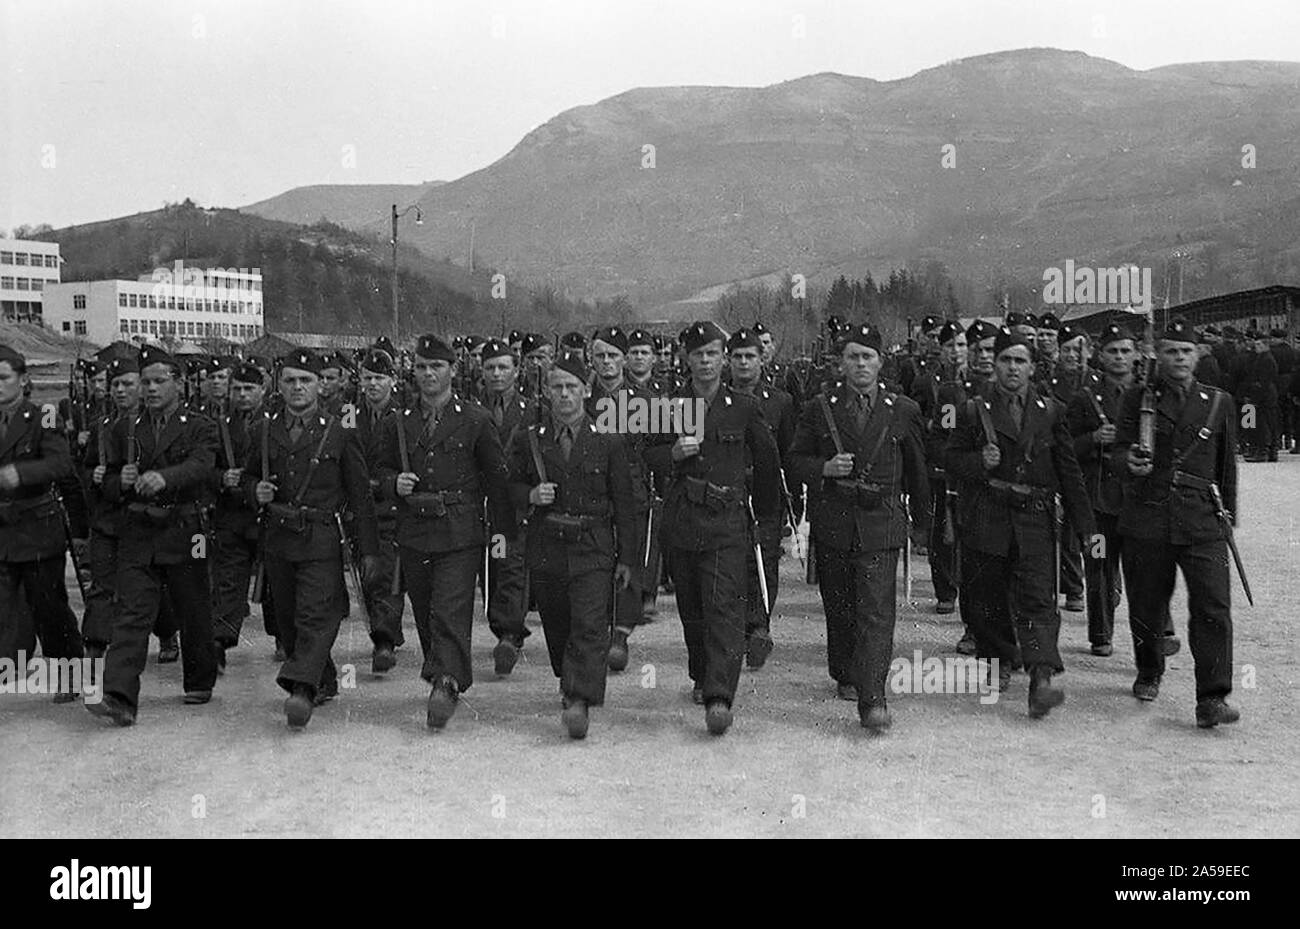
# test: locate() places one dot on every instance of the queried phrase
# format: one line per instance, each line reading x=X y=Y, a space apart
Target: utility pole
x=419 y=221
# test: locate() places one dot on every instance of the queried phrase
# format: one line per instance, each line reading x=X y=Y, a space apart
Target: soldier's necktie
x=159 y=424
x=864 y=412
x=566 y=441
x=295 y=428
x=499 y=410
x=1017 y=410
x=4 y=426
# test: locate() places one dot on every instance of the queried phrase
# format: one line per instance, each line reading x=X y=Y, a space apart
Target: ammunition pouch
x=294 y=519
x=865 y=496
x=13 y=512
x=715 y=496
x=1021 y=496
x=434 y=504
x=566 y=527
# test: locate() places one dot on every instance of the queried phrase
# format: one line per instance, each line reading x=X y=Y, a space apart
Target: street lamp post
x=419 y=221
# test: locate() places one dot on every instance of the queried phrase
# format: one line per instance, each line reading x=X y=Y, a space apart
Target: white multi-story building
x=27 y=269
x=184 y=303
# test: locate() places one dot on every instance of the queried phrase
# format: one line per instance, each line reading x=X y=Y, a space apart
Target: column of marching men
x=1028 y=461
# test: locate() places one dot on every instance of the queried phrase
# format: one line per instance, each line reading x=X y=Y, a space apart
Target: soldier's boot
x=875 y=716
x=944 y=607
x=697 y=695
x=219 y=650
x=112 y=709
x=442 y=703
x=1004 y=677
x=966 y=644
x=845 y=691
x=717 y=717
x=383 y=659
x=1170 y=645
x=1213 y=711
x=298 y=707
x=618 y=652
x=1147 y=687
x=170 y=649
x=758 y=648
x=1043 y=697
x=575 y=717
x=281 y=654
x=504 y=657
x=1102 y=649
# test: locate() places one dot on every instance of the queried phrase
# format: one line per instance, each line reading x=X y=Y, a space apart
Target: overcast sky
x=111 y=107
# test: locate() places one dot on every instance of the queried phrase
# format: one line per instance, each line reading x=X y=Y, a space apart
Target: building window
x=22 y=283
x=171 y=303
x=6 y=258
x=79 y=327
x=121 y=299
x=67 y=326
x=132 y=300
x=153 y=302
x=38 y=283
x=133 y=324
x=6 y=283
x=20 y=258
x=51 y=261
x=153 y=327
x=124 y=325
x=78 y=301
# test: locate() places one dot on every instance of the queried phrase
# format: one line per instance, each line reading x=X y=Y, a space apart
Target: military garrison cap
x=495 y=348
x=434 y=349
x=743 y=338
x=948 y=332
x=980 y=330
x=121 y=365
x=701 y=333
x=1008 y=338
x=611 y=335
x=861 y=334
x=573 y=363
x=378 y=361
x=248 y=373
x=1114 y=333
x=1178 y=330
x=640 y=337
x=531 y=343
x=303 y=359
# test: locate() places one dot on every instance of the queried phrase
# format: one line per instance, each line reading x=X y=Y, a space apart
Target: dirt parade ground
x=795 y=764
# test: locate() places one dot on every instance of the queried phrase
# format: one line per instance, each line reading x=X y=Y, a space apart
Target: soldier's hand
x=83 y=437
x=369 y=569
x=264 y=492
x=1104 y=435
x=686 y=447
x=232 y=478
x=839 y=466
x=623 y=575
x=992 y=457
x=130 y=473
x=406 y=482
x=542 y=494
x=9 y=477
x=1138 y=463
x=97 y=476
x=150 y=484
x=80 y=548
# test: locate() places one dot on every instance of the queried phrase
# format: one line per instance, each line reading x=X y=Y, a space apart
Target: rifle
x=346 y=543
x=907 y=547
x=758 y=560
x=1147 y=413
x=395 y=589
x=67 y=538
x=1222 y=514
x=259 y=570
x=794 y=525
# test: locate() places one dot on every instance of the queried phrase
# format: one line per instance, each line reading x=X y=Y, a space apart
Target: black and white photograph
x=650 y=419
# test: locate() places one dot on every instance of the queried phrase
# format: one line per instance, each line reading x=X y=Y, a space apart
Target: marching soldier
x=1177 y=439
x=609 y=348
x=1049 y=340
x=159 y=471
x=507 y=581
x=1256 y=390
x=641 y=363
x=744 y=350
x=932 y=392
x=34 y=463
x=582 y=533
x=859 y=449
x=385 y=603
x=1013 y=454
x=235 y=516
x=706 y=521
x=333 y=386
x=309 y=474
x=440 y=462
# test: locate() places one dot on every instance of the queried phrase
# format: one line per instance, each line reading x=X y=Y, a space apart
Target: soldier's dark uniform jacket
x=594 y=484
x=234 y=510
x=994 y=510
x=300 y=522
x=185 y=455
x=869 y=515
x=459 y=463
x=704 y=507
x=1102 y=469
x=1155 y=506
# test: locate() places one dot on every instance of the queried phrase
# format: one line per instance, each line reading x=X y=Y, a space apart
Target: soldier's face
x=860 y=365
x=1047 y=342
x=567 y=393
x=607 y=359
x=99 y=385
x=1177 y=359
x=245 y=396
x=205 y=385
x=768 y=345
x=220 y=381
x=640 y=358
x=11 y=384
x=1012 y=367
x=954 y=350
x=331 y=379
x=126 y=391
x=378 y=387
x=300 y=389
x=499 y=373
x=160 y=386
x=666 y=357
x=433 y=376
x=1029 y=332
x=746 y=365
x=1073 y=353
x=1117 y=358
x=706 y=362
x=539 y=360
x=981 y=357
